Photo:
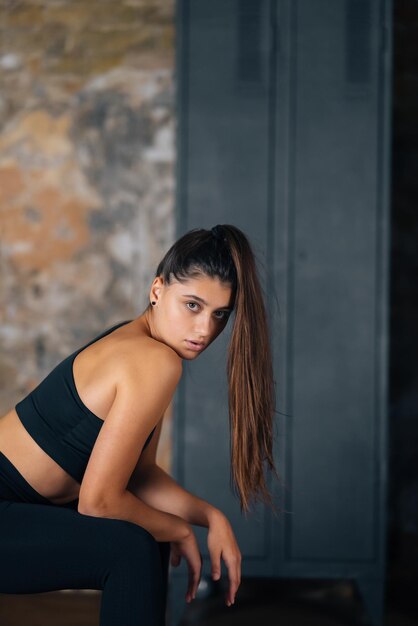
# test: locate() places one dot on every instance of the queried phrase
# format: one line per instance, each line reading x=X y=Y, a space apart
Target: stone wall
x=86 y=175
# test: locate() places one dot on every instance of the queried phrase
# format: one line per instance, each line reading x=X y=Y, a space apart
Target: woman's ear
x=155 y=291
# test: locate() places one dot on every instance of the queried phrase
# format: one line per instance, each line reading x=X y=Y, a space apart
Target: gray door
x=283 y=131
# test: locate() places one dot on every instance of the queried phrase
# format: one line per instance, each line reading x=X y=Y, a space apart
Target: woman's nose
x=203 y=327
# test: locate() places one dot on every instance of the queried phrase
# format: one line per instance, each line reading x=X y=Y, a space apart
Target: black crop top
x=57 y=419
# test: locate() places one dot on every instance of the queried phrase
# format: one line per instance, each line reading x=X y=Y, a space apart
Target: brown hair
x=225 y=252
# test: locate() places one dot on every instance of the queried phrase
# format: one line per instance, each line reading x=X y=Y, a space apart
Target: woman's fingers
x=216 y=565
x=195 y=568
x=222 y=544
x=233 y=563
x=189 y=549
x=194 y=578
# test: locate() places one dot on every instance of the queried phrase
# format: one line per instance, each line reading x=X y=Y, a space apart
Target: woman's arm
x=153 y=486
x=126 y=506
x=158 y=489
x=143 y=392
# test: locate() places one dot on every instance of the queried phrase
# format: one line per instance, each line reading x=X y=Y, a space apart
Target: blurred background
x=124 y=124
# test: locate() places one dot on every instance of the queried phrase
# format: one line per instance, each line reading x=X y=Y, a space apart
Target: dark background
x=403 y=376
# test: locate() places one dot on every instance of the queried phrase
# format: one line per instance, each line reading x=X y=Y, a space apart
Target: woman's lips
x=192 y=345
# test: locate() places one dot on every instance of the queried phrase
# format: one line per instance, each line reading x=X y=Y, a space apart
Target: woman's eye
x=193 y=303
x=224 y=315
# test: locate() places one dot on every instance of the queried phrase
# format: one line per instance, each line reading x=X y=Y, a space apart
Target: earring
x=153 y=302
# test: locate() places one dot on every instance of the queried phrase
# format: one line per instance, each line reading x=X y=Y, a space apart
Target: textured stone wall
x=86 y=174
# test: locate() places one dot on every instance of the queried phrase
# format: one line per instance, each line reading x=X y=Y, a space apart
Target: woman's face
x=189 y=313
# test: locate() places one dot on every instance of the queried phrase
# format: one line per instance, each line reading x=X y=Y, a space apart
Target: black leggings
x=46 y=547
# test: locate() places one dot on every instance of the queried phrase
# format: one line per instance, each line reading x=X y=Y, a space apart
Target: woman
x=82 y=502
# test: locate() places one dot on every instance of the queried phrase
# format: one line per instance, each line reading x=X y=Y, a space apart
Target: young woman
x=83 y=503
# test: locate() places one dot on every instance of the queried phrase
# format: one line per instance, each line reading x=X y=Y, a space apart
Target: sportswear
x=46 y=546
x=57 y=419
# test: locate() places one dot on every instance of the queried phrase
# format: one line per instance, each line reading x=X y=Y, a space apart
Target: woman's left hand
x=222 y=543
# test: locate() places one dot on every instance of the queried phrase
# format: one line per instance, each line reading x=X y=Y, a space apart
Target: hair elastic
x=218 y=233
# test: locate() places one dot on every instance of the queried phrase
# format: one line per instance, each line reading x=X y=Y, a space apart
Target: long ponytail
x=250 y=379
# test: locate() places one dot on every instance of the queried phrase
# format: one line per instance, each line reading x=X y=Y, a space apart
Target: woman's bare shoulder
x=140 y=352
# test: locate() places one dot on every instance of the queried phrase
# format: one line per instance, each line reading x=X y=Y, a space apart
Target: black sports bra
x=57 y=419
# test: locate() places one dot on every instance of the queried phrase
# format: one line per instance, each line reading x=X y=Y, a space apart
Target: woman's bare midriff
x=97 y=392
x=35 y=465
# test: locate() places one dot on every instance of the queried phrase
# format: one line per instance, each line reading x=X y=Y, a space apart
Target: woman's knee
x=134 y=543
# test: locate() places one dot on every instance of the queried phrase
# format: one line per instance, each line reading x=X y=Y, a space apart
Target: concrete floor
x=293 y=603
x=258 y=603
